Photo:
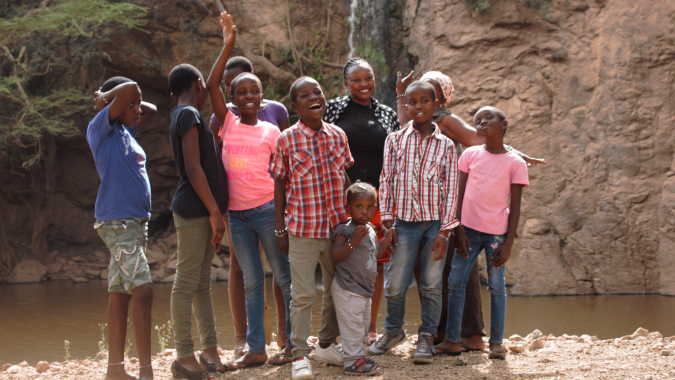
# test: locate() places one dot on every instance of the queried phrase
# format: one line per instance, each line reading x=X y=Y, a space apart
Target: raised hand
x=403 y=83
x=229 y=29
x=99 y=101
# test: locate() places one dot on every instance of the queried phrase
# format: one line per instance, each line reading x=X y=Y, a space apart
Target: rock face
x=28 y=271
x=591 y=90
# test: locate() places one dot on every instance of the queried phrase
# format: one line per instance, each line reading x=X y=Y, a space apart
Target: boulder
x=537 y=344
x=172 y=264
x=28 y=271
x=516 y=338
x=54 y=268
x=640 y=332
x=222 y=274
x=13 y=370
x=516 y=348
x=536 y=334
x=42 y=367
x=154 y=254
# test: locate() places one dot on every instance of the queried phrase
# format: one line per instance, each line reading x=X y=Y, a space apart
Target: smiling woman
x=366 y=122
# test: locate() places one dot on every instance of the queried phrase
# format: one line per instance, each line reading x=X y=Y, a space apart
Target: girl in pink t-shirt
x=248 y=145
x=489 y=176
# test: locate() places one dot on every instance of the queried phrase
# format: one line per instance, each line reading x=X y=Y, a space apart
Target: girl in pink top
x=489 y=176
x=248 y=145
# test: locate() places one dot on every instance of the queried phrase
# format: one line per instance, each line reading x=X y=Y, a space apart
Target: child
x=489 y=176
x=312 y=157
x=198 y=205
x=248 y=145
x=122 y=214
x=355 y=252
x=419 y=178
x=274 y=113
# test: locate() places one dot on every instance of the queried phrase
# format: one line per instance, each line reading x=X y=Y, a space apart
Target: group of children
x=289 y=192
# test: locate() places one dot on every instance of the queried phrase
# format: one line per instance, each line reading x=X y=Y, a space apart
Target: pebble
x=640 y=332
x=42 y=367
x=14 y=369
x=666 y=352
x=537 y=344
x=517 y=349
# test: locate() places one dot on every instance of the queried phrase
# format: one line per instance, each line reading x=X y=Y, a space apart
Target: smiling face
x=308 y=100
x=362 y=207
x=361 y=83
x=228 y=77
x=132 y=112
x=421 y=103
x=489 y=124
x=247 y=94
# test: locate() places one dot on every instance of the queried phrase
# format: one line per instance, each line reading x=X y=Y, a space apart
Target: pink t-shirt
x=247 y=151
x=488 y=188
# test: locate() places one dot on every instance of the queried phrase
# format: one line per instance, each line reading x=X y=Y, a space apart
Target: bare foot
x=191 y=364
x=474 y=341
x=117 y=372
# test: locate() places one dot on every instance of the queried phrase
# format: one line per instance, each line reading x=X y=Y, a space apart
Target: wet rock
x=217 y=261
x=28 y=271
x=640 y=332
x=222 y=274
x=53 y=268
x=42 y=367
x=537 y=344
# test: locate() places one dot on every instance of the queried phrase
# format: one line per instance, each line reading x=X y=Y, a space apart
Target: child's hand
x=218 y=230
x=463 y=244
x=282 y=243
x=403 y=83
x=390 y=233
x=501 y=255
x=358 y=235
x=439 y=248
x=534 y=161
x=99 y=100
x=229 y=29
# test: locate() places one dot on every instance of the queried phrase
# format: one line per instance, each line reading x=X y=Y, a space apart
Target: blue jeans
x=459 y=275
x=247 y=228
x=415 y=241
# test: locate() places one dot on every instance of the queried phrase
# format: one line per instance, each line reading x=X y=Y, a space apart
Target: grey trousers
x=353 y=315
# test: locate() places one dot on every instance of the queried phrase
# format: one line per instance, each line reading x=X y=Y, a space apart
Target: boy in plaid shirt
x=311 y=157
x=419 y=179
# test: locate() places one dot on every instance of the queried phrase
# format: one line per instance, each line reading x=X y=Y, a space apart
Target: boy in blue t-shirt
x=122 y=214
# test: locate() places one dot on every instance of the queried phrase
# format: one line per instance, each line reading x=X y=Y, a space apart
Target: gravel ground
x=642 y=355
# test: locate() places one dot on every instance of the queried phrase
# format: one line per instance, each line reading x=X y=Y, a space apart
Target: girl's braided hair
x=360 y=187
x=351 y=63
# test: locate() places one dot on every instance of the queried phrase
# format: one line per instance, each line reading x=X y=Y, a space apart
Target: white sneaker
x=302 y=370
x=331 y=355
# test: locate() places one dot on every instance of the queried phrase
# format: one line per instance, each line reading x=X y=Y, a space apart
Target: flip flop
x=441 y=351
x=241 y=364
x=468 y=348
x=280 y=358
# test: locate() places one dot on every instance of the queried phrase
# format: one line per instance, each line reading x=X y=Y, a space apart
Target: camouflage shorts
x=126 y=239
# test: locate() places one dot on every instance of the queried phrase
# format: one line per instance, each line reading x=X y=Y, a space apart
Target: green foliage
x=485 y=6
x=163 y=335
x=127 y=348
x=102 y=344
x=66 y=347
x=482 y=6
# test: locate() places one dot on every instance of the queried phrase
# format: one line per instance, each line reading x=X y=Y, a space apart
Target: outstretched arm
x=216 y=76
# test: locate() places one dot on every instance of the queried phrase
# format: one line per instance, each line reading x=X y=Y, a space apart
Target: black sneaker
x=386 y=343
x=424 y=353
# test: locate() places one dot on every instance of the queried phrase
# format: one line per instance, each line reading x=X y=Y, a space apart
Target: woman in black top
x=366 y=122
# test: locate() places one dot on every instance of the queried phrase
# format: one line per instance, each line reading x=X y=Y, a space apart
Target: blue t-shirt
x=120 y=163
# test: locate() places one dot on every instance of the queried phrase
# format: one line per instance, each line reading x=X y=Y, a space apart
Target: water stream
x=35 y=319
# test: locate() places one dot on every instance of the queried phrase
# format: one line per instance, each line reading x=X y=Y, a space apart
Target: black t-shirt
x=366 y=138
x=186 y=202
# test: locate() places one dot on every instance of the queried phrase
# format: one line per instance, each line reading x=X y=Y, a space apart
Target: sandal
x=281 y=358
x=370 y=368
x=241 y=364
x=443 y=351
x=468 y=348
x=372 y=338
x=180 y=372
x=210 y=366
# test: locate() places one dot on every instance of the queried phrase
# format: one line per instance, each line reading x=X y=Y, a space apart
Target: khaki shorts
x=126 y=239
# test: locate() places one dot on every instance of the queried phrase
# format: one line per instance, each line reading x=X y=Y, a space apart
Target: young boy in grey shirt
x=355 y=252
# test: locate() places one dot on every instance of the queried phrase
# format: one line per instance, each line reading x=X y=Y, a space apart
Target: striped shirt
x=419 y=178
x=313 y=163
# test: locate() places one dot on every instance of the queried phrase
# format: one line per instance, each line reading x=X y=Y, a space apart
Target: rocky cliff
x=588 y=86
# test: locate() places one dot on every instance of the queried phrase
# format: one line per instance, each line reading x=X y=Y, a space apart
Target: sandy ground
x=643 y=355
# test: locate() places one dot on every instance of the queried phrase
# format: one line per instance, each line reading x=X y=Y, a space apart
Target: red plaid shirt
x=313 y=163
x=419 y=178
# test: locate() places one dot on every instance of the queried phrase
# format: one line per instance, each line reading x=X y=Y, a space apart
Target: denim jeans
x=459 y=275
x=415 y=241
x=247 y=228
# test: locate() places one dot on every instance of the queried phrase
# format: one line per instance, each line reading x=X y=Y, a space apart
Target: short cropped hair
x=182 y=77
x=425 y=85
x=500 y=113
x=241 y=62
x=114 y=82
x=359 y=187
x=294 y=87
x=241 y=76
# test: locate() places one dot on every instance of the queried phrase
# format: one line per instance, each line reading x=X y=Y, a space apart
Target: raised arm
x=216 y=76
x=148 y=111
x=401 y=109
x=119 y=98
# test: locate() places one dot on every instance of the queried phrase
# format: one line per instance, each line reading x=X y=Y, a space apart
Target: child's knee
x=143 y=294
